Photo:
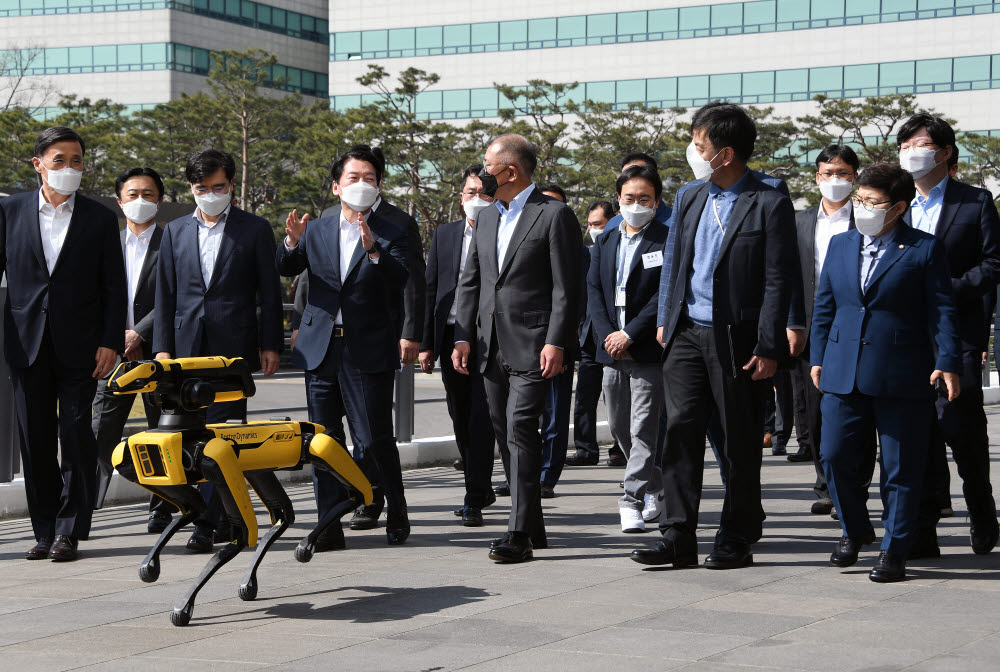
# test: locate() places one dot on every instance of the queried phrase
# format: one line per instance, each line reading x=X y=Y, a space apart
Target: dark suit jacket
x=969 y=230
x=755 y=277
x=641 y=293
x=881 y=342
x=83 y=300
x=443 y=262
x=370 y=296
x=145 y=292
x=533 y=299
x=222 y=315
x=415 y=291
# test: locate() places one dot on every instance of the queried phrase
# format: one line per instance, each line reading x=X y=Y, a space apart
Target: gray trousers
x=633 y=394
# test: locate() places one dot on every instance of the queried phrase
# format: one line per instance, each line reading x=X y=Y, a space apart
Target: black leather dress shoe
x=366 y=518
x=984 y=534
x=502 y=540
x=888 y=568
x=799 y=456
x=459 y=465
x=63 y=549
x=39 y=551
x=200 y=541
x=729 y=555
x=582 y=459
x=779 y=451
x=821 y=507
x=472 y=517
x=538 y=543
x=925 y=545
x=548 y=492
x=157 y=522
x=397 y=526
x=331 y=539
x=517 y=548
x=676 y=552
x=617 y=460
x=846 y=553
x=502 y=490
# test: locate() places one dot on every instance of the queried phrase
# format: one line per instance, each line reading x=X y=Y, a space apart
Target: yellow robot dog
x=183 y=450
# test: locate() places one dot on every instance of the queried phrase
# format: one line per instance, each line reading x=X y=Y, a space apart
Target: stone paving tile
x=931 y=640
x=392 y=655
x=151 y=664
x=578 y=661
x=676 y=645
x=251 y=646
x=711 y=621
x=780 y=653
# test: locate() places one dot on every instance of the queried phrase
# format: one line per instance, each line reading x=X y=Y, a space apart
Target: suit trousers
x=555 y=426
x=588 y=394
x=696 y=385
x=779 y=414
x=470 y=418
x=110 y=413
x=961 y=424
x=516 y=400
x=902 y=426
x=58 y=448
x=633 y=392
x=337 y=388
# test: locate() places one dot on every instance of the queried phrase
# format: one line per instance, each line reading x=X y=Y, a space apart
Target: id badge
x=620 y=297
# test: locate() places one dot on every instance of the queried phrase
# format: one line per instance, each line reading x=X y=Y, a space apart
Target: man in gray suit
x=140 y=193
x=518 y=299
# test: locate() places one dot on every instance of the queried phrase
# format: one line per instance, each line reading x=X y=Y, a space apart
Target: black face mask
x=490 y=184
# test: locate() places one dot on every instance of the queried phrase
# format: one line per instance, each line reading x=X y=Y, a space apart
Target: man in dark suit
x=140 y=193
x=836 y=172
x=517 y=301
x=64 y=322
x=623 y=285
x=215 y=267
x=964 y=220
x=349 y=336
x=465 y=395
x=413 y=305
x=732 y=276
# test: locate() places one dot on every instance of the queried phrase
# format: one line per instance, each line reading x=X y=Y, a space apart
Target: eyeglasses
x=842 y=175
x=868 y=205
x=59 y=164
x=201 y=191
x=918 y=144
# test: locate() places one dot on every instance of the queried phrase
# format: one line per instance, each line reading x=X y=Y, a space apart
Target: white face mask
x=213 y=204
x=869 y=222
x=140 y=210
x=359 y=196
x=65 y=181
x=918 y=161
x=474 y=206
x=637 y=216
x=835 y=189
x=702 y=169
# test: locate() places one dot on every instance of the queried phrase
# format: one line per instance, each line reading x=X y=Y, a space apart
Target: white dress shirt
x=350 y=237
x=209 y=242
x=827 y=226
x=509 y=217
x=135 y=254
x=466 y=240
x=53 y=223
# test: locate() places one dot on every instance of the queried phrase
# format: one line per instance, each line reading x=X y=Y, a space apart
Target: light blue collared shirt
x=925 y=212
x=209 y=241
x=509 y=217
x=627 y=245
x=707 y=243
x=872 y=251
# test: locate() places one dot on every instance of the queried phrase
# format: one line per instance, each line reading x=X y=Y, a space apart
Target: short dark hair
x=891 y=179
x=940 y=130
x=518 y=150
x=554 y=188
x=839 y=151
x=605 y=206
x=360 y=153
x=727 y=125
x=138 y=172
x=205 y=162
x=953 y=159
x=471 y=171
x=55 y=134
x=639 y=156
x=640 y=173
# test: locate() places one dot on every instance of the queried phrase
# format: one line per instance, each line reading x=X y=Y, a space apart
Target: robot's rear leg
x=304 y=551
x=279 y=506
x=191 y=505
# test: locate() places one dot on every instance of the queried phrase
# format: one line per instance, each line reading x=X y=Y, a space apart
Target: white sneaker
x=652 y=506
x=631 y=519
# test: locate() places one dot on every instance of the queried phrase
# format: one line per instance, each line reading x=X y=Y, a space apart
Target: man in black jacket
x=64 y=324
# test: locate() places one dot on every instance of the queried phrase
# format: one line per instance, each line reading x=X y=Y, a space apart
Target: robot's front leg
x=220 y=466
x=191 y=505
x=279 y=506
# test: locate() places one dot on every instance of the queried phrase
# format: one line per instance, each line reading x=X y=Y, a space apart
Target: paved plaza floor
x=438 y=603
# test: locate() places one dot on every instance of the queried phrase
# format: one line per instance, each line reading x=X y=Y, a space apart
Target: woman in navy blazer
x=884 y=302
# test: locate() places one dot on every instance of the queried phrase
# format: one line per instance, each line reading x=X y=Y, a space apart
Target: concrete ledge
x=991 y=395
x=420 y=454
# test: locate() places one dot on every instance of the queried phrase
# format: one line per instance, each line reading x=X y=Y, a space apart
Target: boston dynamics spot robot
x=182 y=451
